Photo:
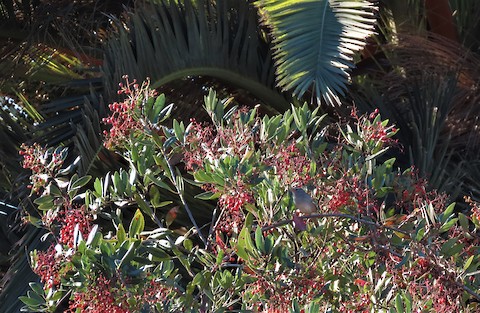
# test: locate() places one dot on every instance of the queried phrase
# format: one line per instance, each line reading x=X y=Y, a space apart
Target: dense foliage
x=378 y=240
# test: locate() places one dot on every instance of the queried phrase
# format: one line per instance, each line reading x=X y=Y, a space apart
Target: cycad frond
x=314 y=42
x=177 y=39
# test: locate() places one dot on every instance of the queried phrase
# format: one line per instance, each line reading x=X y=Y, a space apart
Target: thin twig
x=184 y=202
x=338 y=215
x=174 y=181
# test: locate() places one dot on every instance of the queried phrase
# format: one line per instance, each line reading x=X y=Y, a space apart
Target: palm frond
x=172 y=40
x=315 y=42
x=466 y=15
x=87 y=143
x=431 y=94
x=16 y=280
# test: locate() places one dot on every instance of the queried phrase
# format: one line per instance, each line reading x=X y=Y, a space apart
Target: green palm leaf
x=171 y=40
x=314 y=42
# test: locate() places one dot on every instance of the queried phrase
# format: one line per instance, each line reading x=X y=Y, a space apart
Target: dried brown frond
x=416 y=58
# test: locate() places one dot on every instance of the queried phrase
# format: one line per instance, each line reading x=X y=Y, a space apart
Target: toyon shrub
x=379 y=239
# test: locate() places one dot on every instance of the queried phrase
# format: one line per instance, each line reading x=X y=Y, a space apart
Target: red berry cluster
x=232 y=217
x=42 y=162
x=235 y=201
x=425 y=280
x=108 y=295
x=475 y=209
x=48 y=266
x=358 y=303
x=71 y=217
x=373 y=131
x=376 y=131
x=204 y=142
x=199 y=145
x=154 y=292
x=415 y=193
x=350 y=192
x=122 y=119
x=291 y=166
x=278 y=292
x=101 y=296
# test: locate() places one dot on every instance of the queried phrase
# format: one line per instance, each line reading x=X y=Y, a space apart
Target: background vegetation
x=61 y=64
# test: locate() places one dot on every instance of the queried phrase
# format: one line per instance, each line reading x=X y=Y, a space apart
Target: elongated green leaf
x=121 y=235
x=82 y=181
x=143 y=205
x=468 y=262
x=448 y=211
x=208 y=195
x=137 y=224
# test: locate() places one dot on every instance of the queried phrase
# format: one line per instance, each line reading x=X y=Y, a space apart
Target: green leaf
x=245 y=244
x=226 y=280
x=198 y=279
x=451 y=247
x=208 y=195
x=407 y=300
x=79 y=183
x=157 y=107
x=92 y=235
x=463 y=222
x=298 y=118
x=148 y=107
x=97 y=186
x=169 y=142
x=54 y=190
x=220 y=256
x=188 y=244
x=259 y=241
x=43 y=200
x=179 y=181
x=269 y=244
x=121 y=235
x=159 y=182
x=295 y=307
x=154 y=196
x=399 y=303
x=468 y=262
x=448 y=211
x=164 y=114
x=179 y=130
x=158 y=254
x=445 y=227
x=128 y=255
x=248 y=220
x=31 y=302
x=37 y=288
x=420 y=234
x=143 y=205
x=137 y=225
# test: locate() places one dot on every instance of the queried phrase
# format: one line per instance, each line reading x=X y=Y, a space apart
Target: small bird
x=303 y=202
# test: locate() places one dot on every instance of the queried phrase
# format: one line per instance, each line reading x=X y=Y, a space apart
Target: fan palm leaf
x=315 y=41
